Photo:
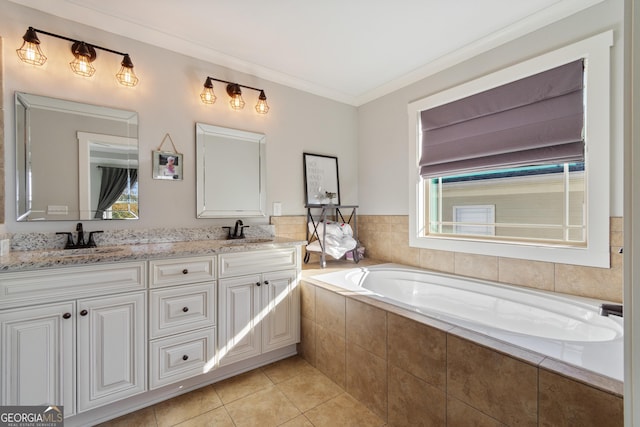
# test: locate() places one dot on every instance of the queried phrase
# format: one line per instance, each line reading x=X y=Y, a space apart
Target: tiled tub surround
x=386 y=238
x=413 y=370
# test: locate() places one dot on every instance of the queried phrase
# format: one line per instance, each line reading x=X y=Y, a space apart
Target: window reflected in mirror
x=75 y=161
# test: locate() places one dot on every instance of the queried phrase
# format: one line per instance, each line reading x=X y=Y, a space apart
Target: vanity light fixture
x=233 y=90
x=84 y=54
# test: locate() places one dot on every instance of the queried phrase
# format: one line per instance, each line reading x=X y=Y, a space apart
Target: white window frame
x=596 y=52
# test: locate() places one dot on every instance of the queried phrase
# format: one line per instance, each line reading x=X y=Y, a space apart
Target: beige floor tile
x=267 y=407
x=142 y=418
x=186 y=406
x=331 y=355
x=285 y=369
x=299 y=421
x=242 y=385
x=343 y=411
x=218 y=418
x=310 y=389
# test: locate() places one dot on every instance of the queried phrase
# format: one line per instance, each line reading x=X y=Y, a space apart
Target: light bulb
x=236 y=102
x=126 y=76
x=30 y=51
x=261 y=106
x=84 y=55
x=207 y=96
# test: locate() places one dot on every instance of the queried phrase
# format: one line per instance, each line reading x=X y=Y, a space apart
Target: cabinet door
x=239 y=305
x=281 y=305
x=111 y=349
x=37 y=358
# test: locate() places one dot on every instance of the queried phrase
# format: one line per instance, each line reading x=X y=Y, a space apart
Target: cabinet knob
x=185 y=357
x=266 y=282
x=84 y=313
x=185 y=271
x=66 y=316
x=185 y=309
x=257 y=283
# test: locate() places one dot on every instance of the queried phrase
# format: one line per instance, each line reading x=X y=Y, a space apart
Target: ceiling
x=352 y=51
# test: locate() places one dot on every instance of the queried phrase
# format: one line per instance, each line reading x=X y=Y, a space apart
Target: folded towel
x=338 y=239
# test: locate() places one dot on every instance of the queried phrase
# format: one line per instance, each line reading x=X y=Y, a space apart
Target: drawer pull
x=185 y=357
x=185 y=271
x=84 y=313
x=257 y=283
x=266 y=282
x=185 y=309
x=66 y=315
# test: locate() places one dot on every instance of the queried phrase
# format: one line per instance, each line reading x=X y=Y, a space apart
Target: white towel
x=338 y=240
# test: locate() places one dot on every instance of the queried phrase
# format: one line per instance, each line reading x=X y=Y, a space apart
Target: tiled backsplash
x=386 y=238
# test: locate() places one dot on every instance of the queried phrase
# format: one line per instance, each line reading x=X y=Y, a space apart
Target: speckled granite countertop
x=36 y=259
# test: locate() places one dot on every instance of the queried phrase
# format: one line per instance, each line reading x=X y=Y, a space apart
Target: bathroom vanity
x=106 y=334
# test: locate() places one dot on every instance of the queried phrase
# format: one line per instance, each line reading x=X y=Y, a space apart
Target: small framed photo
x=322 y=186
x=167 y=165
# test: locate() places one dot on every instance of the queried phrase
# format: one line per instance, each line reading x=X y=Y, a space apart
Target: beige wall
x=167 y=101
x=383 y=130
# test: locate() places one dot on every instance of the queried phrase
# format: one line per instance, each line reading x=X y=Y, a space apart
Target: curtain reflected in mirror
x=113 y=187
x=62 y=150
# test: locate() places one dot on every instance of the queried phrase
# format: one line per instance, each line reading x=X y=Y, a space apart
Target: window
x=536 y=210
x=533 y=203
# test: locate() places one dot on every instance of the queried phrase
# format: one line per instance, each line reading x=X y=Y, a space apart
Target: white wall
x=167 y=101
x=383 y=123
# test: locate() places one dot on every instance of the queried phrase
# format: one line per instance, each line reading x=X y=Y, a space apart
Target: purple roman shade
x=535 y=120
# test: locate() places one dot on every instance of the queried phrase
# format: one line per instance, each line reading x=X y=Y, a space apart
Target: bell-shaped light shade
x=237 y=103
x=81 y=65
x=261 y=106
x=30 y=51
x=126 y=76
x=207 y=96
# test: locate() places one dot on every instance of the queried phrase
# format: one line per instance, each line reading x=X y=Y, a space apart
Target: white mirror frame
x=222 y=188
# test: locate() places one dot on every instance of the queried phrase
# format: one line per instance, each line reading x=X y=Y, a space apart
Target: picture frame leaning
x=322 y=183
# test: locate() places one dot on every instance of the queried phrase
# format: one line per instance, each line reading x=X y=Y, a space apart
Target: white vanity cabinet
x=182 y=318
x=259 y=302
x=78 y=351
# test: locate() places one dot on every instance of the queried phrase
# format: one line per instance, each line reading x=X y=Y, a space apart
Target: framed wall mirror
x=230 y=172
x=74 y=161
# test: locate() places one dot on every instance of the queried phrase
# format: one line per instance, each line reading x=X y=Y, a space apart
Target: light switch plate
x=277 y=208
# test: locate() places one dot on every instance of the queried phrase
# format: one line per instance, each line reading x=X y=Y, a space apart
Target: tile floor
x=288 y=393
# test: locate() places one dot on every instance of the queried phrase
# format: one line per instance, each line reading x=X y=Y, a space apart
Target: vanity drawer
x=181 y=356
x=182 y=271
x=182 y=308
x=56 y=284
x=236 y=264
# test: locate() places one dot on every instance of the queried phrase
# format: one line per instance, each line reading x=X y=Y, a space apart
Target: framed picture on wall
x=322 y=185
x=167 y=165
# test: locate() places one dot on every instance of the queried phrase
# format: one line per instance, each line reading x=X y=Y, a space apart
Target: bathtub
x=563 y=327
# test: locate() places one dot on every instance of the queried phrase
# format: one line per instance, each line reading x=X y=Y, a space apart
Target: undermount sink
x=82 y=252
